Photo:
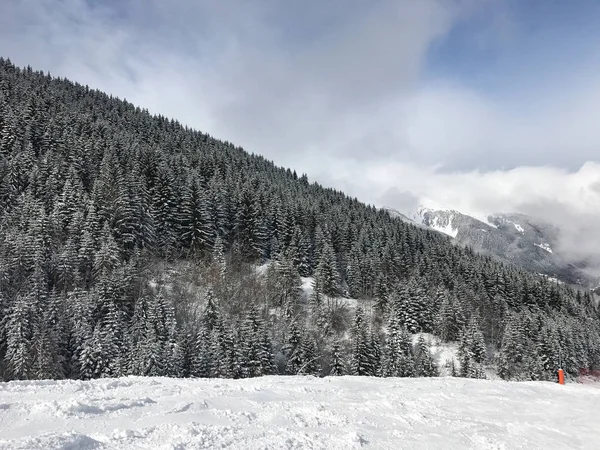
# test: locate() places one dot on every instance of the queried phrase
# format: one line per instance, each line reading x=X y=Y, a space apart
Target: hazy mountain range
x=526 y=241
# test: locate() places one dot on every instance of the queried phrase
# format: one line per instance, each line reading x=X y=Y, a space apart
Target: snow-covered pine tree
x=112 y=337
x=19 y=334
x=338 y=367
x=292 y=350
x=425 y=366
x=393 y=347
x=203 y=358
x=326 y=273
x=211 y=316
x=107 y=258
x=182 y=355
x=247 y=223
x=471 y=350
x=196 y=230
x=48 y=341
x=309 y=358
x=363 y=350
x=218 y=256
x=250 y=343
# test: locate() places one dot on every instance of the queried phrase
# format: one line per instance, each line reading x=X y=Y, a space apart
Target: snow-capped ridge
x=438 y=220
x=509 y=237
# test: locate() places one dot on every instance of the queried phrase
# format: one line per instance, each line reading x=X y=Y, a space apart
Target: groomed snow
x=296 y=413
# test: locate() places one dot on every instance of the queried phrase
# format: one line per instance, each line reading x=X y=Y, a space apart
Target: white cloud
x=555 y=125
x=570 y=200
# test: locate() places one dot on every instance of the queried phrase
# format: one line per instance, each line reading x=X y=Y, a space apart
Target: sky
x=478 y=105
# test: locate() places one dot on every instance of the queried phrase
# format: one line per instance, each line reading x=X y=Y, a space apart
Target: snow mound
x=101 y=406
x=62 y=441
x=300 y=412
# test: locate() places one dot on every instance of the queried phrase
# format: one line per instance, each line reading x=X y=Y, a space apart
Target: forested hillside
x=128 y=245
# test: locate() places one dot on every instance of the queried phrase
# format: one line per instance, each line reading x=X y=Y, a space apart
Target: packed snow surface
x=296 y=413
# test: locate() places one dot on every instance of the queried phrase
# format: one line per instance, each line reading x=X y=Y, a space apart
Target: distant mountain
x=526 y=241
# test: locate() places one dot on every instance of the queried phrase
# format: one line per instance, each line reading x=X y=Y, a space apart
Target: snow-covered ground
x=296 y=413
x=307 y=289
x=544 y=246
x=442 y=352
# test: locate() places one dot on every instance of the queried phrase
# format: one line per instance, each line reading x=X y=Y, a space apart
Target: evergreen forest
x=131 y=244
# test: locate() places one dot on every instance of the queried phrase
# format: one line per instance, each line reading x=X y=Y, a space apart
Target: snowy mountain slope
x=445 y=221
x=525 y=241
x=395 y=213
x=297 y=412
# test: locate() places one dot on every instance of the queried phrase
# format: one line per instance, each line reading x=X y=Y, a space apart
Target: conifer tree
x=293 y=350
x=337 y=362
x=211 y=316
x=309 y=359
x=247 y=224
x=203 y=357
x=326 y=273
x=512 y=351
x=424 y=364
x=107 y=258
x=19 y=335
x=219 y=258
x=471 y=350
x=362 y=349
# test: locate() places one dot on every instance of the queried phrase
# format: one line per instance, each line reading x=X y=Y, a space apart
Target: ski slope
x=297 y=413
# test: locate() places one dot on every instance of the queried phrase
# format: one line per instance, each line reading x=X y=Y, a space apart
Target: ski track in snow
x=297 y=413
